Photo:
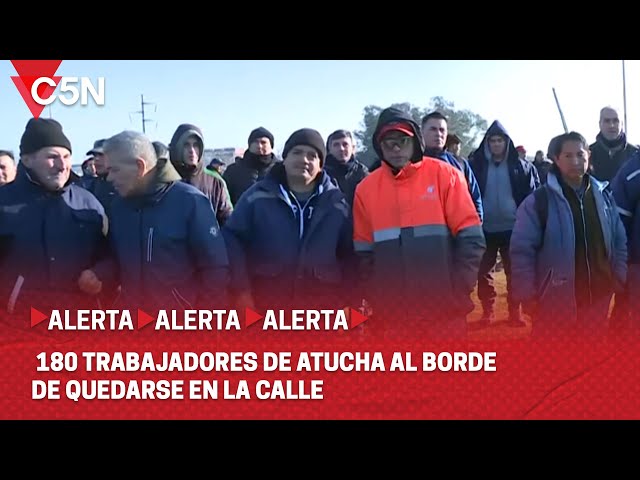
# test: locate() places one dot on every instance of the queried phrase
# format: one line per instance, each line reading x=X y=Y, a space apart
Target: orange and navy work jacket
x=420 y=236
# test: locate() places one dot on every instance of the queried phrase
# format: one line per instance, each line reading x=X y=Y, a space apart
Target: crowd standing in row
x=150 y=226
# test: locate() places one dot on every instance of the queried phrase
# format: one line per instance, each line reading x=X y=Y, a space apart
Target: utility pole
x=142 y=112
x=564 y=123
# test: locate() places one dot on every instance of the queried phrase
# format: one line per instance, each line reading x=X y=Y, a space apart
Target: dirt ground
x=499 y=328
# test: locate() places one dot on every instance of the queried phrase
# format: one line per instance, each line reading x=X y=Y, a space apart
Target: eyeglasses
x=400 y=142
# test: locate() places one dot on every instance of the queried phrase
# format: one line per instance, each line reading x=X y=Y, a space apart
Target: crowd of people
x=148 y=225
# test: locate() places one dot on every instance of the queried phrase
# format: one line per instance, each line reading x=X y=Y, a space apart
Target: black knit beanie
x=40 y=133
x=259 y=133
x=306 y=136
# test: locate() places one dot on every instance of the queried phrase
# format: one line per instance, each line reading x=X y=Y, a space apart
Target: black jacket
x=47 y=239
x=607 y=158
x=347 y=175
x=244 y=173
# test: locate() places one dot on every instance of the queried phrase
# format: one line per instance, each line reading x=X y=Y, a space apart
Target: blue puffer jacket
x=464 y=166
x=285 y=253
x=101 y=189
x=545 y=267
x=46 y=240
x=169 y=249
x=626 y=190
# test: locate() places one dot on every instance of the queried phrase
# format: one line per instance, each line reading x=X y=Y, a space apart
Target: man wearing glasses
x=418 y=235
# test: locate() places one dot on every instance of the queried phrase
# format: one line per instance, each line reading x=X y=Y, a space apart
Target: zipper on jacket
x=288 y=197
x=586 y=249
x=142 y=249
x=149 y=244
x=15 y=293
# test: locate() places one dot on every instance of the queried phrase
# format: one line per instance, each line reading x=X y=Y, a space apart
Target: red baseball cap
x=520 y=148
x=396 y=127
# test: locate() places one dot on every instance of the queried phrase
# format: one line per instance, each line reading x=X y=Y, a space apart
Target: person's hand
x=89 y=282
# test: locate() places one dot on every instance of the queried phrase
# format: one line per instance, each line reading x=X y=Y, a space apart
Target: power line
x=142 y=112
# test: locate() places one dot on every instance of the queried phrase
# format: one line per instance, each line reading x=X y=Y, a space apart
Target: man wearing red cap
x=419 y=237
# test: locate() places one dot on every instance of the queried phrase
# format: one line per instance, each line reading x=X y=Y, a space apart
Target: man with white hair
x=165 y=236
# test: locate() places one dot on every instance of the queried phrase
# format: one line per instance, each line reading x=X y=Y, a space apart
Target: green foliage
x=467 y=125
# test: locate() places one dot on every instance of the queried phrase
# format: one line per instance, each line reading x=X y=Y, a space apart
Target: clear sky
x=227 y=99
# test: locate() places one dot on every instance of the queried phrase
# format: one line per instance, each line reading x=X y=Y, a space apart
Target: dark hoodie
x=250 y=169
x=394 y=115
x=522 y=174
x=211 y=185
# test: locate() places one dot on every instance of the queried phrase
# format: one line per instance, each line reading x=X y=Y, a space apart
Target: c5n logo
x=37 y=81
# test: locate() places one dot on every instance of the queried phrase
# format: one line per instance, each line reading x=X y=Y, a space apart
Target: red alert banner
x=302 y=364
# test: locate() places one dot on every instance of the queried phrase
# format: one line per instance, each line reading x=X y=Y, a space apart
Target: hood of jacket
x=163 y=176
x=496 y=128
x=394 y=115
x=176 y=150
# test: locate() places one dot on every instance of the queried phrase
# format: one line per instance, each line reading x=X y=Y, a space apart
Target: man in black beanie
x=50 y=230
x=289 y=238
x=254 y=166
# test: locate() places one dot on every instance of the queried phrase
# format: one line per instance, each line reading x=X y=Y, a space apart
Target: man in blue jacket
x=626 y=191
x=50 y=230
x=290 y=235
x=568 y=247
x=434 y=133
x=164 y=233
